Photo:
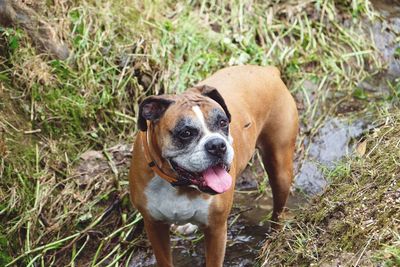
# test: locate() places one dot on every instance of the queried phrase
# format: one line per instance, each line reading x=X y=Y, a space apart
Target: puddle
x=386 y=32
x=246 y=232
x=333 y=141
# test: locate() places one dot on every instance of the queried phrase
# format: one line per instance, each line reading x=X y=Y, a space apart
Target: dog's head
x=192 y=134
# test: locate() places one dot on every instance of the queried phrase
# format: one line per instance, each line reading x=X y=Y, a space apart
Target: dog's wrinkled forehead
x=196 y=111
x=198 y=103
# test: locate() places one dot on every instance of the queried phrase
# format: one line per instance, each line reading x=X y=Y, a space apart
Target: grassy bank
x=356 y=221
x=66 y=126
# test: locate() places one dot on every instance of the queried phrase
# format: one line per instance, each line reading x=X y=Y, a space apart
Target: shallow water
x=246 y=233
x=386 y=32
x=334 y=140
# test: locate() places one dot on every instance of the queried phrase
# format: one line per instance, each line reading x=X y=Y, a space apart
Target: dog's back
x=263 y=101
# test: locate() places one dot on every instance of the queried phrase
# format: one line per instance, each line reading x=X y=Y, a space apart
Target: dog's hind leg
x=276 y=144
x=279 y=166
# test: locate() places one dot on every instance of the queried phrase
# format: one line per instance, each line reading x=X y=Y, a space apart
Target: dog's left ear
x=213 y=93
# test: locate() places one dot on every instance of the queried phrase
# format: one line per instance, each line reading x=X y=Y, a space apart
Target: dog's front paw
x=186 y=229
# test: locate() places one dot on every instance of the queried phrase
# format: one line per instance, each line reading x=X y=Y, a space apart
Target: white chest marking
x=165 y=204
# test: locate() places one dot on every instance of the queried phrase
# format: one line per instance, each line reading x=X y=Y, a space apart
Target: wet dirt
x=247 y=230
x=386 y=33
x=387 y=8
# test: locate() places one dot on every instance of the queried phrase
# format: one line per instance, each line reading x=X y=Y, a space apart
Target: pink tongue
x=218 y=179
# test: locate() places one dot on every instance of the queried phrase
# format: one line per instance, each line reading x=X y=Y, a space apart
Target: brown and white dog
x=192 y=147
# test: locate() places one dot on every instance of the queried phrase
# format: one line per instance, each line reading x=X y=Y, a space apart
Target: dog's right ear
x=151 y=109
x=213 y=93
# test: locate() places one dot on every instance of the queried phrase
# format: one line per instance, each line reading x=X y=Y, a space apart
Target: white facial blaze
x=200 y=116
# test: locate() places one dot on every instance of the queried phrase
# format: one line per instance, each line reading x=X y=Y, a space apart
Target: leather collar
x=151 y=162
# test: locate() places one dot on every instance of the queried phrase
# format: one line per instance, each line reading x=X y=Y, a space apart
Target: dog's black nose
x=216 y=147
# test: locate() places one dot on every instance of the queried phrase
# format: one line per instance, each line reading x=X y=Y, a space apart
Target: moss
x=5 y=257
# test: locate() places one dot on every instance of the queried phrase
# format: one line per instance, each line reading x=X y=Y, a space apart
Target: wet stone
x=333 y=141
x=143 y=259
x=310 y=179
x=385 y=40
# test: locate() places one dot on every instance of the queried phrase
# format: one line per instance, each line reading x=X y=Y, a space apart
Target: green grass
x=53 y=111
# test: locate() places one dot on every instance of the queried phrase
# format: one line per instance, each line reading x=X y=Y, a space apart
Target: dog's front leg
x=215 y=240
x=158 y=234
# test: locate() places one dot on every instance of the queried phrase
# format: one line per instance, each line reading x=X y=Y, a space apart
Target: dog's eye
x=185 y=134
x=223 y=123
